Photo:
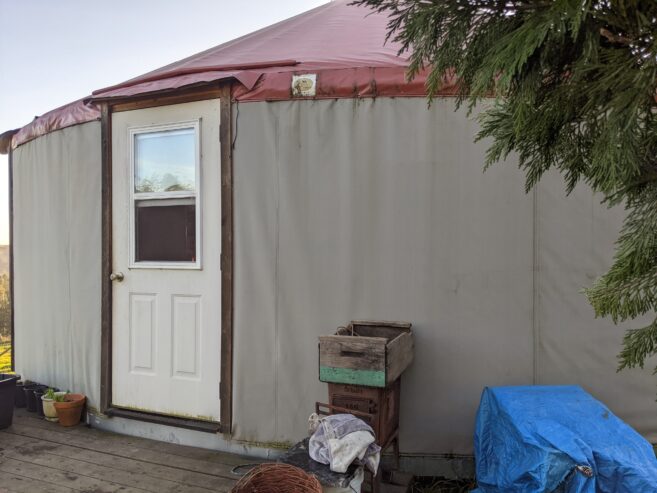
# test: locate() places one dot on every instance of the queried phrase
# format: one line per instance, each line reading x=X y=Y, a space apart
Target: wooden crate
x=381 y=403
x=370 y=353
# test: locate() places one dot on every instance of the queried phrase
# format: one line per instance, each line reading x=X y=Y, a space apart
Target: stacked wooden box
x=362 y=363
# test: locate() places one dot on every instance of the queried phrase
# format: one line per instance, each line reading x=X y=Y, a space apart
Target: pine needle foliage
x=574 y=88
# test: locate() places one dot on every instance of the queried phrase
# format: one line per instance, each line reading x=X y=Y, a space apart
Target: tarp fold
x=557 y=439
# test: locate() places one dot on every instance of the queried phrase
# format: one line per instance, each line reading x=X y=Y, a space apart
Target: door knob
x=116 y=276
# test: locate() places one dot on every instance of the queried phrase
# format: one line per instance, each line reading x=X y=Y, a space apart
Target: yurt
x=181 y=240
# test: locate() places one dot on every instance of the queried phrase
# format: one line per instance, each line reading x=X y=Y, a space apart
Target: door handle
x=116 y=276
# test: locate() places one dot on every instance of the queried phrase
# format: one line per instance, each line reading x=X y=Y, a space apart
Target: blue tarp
x=557 y=439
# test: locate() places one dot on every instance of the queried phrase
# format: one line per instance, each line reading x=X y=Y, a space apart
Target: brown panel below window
x=165 y=233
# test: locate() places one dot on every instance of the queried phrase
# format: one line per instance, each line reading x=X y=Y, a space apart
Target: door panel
x=186 y=335
x=166 y=241
x=142 y=333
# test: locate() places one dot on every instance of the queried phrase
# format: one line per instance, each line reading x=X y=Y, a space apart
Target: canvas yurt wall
x=348 y=209
x=57 y=254
x=378 y=208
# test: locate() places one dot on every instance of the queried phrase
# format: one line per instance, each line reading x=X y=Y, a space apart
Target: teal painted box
x=366 y=352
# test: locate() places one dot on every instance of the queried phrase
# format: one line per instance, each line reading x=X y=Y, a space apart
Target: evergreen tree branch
x=574 y=83
x=638 y=345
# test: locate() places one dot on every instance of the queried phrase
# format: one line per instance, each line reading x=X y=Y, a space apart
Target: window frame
x=196 y=194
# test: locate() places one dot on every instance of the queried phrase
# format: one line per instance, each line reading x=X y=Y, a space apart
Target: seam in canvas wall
x=535 y=294
x=276 y=268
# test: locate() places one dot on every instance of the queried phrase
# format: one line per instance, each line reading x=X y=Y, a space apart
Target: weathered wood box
x=370 y=353
x=382 y=404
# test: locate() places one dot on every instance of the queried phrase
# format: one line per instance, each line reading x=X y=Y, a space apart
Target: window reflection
x=165 y=161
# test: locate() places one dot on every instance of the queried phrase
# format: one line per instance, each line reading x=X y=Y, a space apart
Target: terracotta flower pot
x=70 y=411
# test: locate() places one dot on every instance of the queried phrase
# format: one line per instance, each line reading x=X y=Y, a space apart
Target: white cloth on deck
x=342 y=439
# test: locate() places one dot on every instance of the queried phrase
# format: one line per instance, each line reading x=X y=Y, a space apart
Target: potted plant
x=69 y=410
x=48 y=400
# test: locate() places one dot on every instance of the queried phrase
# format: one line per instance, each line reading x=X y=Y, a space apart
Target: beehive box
x=381 y=403
x=370 y=353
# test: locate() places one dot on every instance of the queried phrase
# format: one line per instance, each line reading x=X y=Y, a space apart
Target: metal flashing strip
x=449 y=466
x=190 y=424
x=181 y=436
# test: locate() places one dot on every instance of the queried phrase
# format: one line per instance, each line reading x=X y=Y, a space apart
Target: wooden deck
x=37 y=456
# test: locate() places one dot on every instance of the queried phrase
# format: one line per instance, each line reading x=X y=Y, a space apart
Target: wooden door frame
x=10 y=166
x=6 y=148
x=108 y=107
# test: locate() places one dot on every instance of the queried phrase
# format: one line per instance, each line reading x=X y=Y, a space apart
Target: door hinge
x=221 y=261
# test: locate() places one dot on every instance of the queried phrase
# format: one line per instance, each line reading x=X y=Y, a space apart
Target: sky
x=54 y=52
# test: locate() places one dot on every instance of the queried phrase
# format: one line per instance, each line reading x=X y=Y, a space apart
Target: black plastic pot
x=19 y=395
x=30 y=400
x=38 y=392
x=7 y=391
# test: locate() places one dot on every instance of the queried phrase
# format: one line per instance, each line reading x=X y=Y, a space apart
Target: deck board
x=60 y=476
x=36 y=456
x=15 y=483
x=109 y=446
x=30 y=419
x=212 y=483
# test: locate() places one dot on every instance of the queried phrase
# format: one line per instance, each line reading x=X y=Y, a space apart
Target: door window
x=165 y=196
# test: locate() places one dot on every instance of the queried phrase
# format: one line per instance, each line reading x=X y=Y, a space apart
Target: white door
x=166 y=242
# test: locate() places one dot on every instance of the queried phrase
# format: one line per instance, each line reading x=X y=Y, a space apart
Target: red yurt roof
x=344 y=45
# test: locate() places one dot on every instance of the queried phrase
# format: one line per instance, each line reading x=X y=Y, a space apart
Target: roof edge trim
x=196 y=70
x=5 y=140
